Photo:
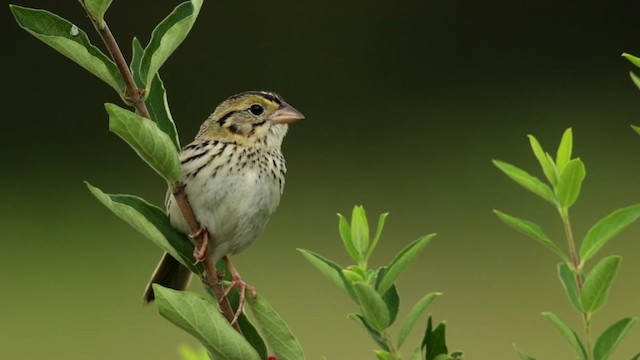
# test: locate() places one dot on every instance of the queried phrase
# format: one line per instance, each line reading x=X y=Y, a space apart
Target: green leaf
x=564 y=150
x=249 y=332
x=568 y=280
x=611 y=337
x=548 y=167
x=360 y=231
x=636 y=128
x=167 y=36
x=598 y=282
x=188 y=353
x=276 y=333
x=527 y=181
x=635 y=79
x=607 y=228
x=402 y=261
x=391 y=297
x=634 y=60
x=417 y=354
x=97 y=9
x=522 y=355
x=152 y=222
x=567 y=333
x=345 y=235
x=375 y=335
x=434 y=341
x=570 y=182
x=330 y=270
x=637 y=357
x=136 y=56
x=149 y=142
x=373 y=307
x=379 y=228
x=352 y=276
x=383 y=355
x=414 y=314
x=201 y=318
x=70 y=41
x=532 y=230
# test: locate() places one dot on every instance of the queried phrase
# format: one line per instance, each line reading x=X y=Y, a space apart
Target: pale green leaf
x=70 y=41
x=360 y=231
x=522 y=355
x=417 y=354
x=527 y=181
x=548 y=167
x=570 y=182
x=373 y=307
x=152 y=222
x=375 y=335
x=636 y=128
x=276 y=333
x=606 y=229
x=532 y=230
x=97 y=9
x=202 y=319
x=598 y=282
x=567 y=333
x=634 y=60
x=136 y=56
x=611 y=337
x=150 y=143
x=564 y=150
x=568 y=280
x=402 y=261
x=414 y=314
x=167 y=36
x=345 y=234
x=376 y=238
x=330 y=270
x=384 y=355
x=188 y=353
x=635 y=79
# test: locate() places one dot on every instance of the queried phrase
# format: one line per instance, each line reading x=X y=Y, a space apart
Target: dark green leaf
x=532 y=230
x=598 y=282
x=167 y=36
x=360 y=231
x=527 y=181
x=97 y=8
x=391 y=297
x=567 y=333
x=570 y=182
x=345 y=235
x=373 y=307
x=276 y=333
x=379 y=228
x=637 y=357
x=201 y=318
x=402 y=261
x=150 y=143
x=375 y=335
x=522 y=355
x=70 y=41
x=568 y=280
x=330 y=270
x=249 y=332
x=136 y=50
x=152 y=223
x=548 y=167
x=564 y=150
x=414 y=314
x=611 y=337
x=607 y=228
x=434 y=341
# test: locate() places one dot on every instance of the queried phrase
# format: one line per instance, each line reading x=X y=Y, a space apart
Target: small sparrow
x=233 y=176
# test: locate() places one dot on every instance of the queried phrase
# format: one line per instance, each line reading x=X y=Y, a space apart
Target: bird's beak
x=285 y=114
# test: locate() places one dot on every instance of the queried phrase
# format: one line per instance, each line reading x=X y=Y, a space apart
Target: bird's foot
x=200 y=251
x=237 y=283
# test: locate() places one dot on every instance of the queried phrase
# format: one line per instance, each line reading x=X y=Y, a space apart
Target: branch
x=135 y=96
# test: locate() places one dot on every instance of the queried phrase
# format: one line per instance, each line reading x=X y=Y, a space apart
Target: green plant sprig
x=375 y=292
x=587 y=292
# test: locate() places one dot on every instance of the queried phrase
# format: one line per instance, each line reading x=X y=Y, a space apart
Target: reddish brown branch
x=135 y=96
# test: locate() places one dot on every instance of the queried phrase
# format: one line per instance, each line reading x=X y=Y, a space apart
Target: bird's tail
x=169 y=273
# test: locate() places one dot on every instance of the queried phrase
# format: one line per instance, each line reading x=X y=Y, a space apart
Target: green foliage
x=375 y=291
x=187 y=353
x=587 y=292
x=149 y=142
x=200 y=318
x=97 y=9
x=522 y=355
x=70 y=41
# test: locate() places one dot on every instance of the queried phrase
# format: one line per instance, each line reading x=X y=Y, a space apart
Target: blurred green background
x=406 y=103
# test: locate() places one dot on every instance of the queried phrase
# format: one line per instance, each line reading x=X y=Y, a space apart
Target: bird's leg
x=238 y=283
x=200 y=251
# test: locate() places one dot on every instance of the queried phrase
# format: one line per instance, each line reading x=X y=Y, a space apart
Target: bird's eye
x=256 y=109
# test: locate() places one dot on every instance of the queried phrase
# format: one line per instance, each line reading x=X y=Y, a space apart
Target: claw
x=237 y=283
x=200 y=252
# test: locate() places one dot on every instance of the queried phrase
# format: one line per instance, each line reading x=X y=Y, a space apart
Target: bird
x=232 y=174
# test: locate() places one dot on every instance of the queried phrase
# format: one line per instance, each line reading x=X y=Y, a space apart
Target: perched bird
x=233 y=176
